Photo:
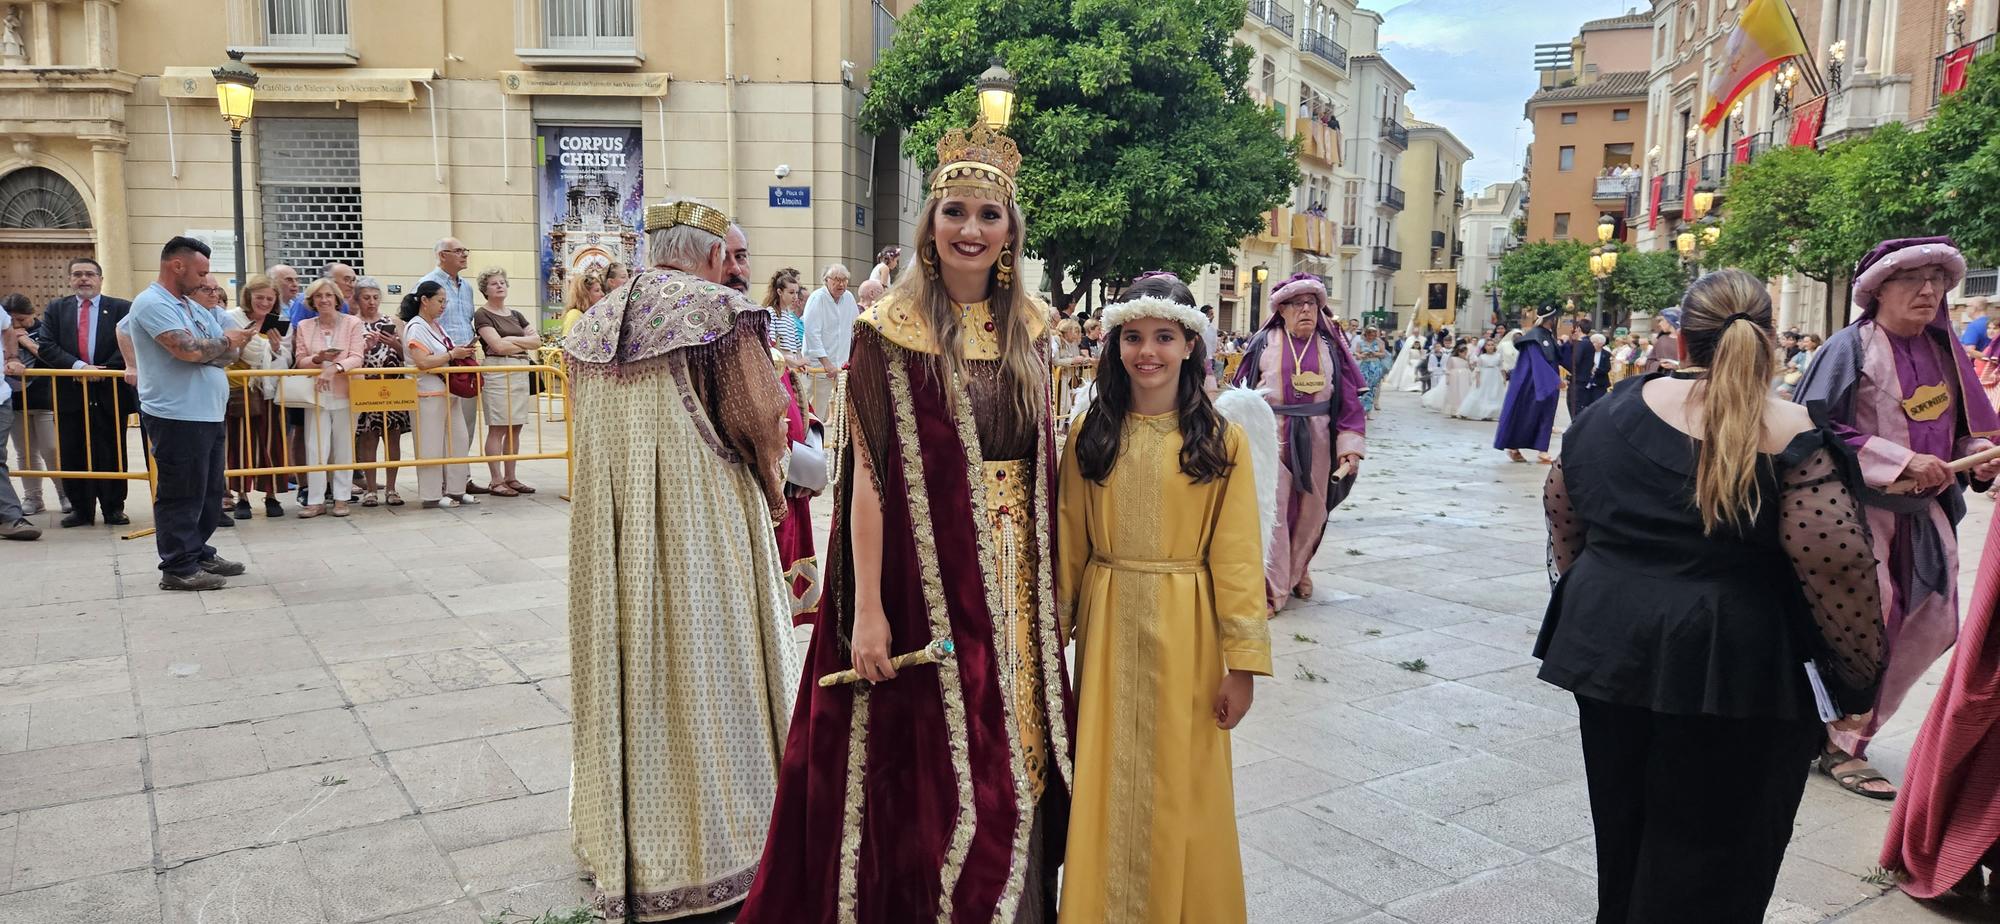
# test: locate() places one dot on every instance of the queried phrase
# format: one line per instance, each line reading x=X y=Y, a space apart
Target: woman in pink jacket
x=330 y=342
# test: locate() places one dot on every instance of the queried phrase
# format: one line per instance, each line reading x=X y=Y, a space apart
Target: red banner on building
x=1653 y=213
x=1806 y=120
x=1955 y=64
x=1741 y=150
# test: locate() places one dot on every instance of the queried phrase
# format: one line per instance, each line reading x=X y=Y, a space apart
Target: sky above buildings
x=1473 y=64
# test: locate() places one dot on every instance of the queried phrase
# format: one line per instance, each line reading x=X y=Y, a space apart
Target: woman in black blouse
x=1706 y=547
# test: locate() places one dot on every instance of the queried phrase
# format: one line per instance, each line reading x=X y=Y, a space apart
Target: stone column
x=1879 y=60
x=113 y=226
x=42 y=34
x=1788 y=301
x=100 y=34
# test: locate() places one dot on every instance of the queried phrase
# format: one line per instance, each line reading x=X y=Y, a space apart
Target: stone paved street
x=372 y=725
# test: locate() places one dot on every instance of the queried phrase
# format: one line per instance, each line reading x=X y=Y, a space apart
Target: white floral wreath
x=1150 y=306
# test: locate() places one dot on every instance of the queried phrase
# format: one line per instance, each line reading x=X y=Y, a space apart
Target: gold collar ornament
x=979 y=163
x=686 y=212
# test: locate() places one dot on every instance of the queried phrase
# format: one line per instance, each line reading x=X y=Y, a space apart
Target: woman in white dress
x=1489 y=386
x=1434 y=398
x=1403 y=374
x=1457 y=380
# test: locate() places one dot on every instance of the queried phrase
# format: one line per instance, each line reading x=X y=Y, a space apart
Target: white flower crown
x=1149 y=306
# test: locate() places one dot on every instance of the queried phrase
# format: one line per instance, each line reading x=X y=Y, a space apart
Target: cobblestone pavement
x=372 y=725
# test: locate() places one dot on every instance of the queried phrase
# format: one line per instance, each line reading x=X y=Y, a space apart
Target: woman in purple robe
x=1529 y=414
x=1896 y=386
x=1301 y=361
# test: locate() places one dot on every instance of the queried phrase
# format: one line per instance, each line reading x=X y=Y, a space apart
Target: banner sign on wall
x=591 y=200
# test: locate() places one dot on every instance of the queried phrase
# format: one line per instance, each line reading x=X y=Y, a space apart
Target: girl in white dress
x=1457 y=380
x=1434 y=399
x=1489 y=386
x=1403 y=374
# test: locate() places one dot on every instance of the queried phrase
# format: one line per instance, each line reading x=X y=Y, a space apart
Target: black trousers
x=93 y=445
x=1692 y=813
x=189 y=458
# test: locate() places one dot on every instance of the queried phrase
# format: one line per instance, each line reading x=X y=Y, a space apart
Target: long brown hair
x=1014 y=314
x=1726 y=326
x=776 y=288
x=1204 y=446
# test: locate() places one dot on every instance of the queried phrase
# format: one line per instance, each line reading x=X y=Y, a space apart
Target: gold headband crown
x=980 y=162
x=684 y=212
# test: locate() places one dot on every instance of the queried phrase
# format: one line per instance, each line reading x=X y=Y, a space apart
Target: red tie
x=83 y=330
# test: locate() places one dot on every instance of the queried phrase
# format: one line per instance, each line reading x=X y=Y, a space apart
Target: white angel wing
x=1247 y=408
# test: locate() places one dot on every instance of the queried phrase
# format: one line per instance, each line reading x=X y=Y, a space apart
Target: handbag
x=463 y=384
x=534 y=378
x=806 y=467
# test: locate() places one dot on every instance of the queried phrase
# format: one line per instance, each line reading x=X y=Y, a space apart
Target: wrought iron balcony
x=1458 y=198
x=1395 y=133
x=1322 y=46
x=1350 y=236
x=1273 y=14
x=1673 y=192
x=1437 y=240
x=1714 y=169
x=1392 y=196
x=1948 y=75
x=1388 y=258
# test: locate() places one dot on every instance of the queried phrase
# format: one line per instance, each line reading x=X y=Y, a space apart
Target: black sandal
x=1853 y=781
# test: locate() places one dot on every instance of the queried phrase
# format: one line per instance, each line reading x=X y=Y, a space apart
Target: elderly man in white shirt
x=829 y=323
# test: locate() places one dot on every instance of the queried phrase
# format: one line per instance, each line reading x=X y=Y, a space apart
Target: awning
x=582 y=83
x=283 y=85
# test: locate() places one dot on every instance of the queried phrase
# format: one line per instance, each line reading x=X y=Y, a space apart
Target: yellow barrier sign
x=372 y=395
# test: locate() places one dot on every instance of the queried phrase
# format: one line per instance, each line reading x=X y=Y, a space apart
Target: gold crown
x=979 y=163
x=684 y=212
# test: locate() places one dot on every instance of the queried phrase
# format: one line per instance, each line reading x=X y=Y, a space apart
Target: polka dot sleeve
x=1566 y=534
x=1825 y=534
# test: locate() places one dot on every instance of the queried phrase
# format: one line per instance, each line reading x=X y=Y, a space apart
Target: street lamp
x=1261 y=273
x=235 y=94
x=1603 y=262
x=1704 y=200
x=996 y=96
x=1606 y=227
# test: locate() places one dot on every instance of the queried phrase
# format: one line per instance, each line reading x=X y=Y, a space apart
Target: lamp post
x=235 y=94
x=996 y=96
x=1698 y=234
x=1603 y=261
x=1261 y=273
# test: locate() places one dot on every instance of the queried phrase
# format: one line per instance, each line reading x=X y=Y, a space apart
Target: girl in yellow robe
x=1160 y=566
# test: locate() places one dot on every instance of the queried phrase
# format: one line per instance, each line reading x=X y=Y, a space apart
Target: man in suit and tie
x=80 y=332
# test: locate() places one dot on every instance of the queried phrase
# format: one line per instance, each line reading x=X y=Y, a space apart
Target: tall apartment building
x=1487 y=228
x=1433 y=169
x=1879 y=61
x=1589 y=123
x=1300 y=66
x=533 y=130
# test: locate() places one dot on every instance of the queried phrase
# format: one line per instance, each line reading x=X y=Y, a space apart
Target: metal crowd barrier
x=370 y=391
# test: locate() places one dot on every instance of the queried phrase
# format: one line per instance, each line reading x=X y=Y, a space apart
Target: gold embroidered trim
x=899 y=321
x=850 y=831
x=950 y=689
x=835 y=432
x=1048 y=626
x=1135 y=530
x=1002 y=641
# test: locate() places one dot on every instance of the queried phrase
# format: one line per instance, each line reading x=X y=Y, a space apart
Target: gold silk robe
x=1165 y=581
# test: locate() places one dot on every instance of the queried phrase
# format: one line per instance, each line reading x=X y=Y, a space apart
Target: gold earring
x=927 y=255
x=1003 y=269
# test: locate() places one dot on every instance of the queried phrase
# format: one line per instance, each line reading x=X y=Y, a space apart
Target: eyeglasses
x=460 y=251
x=1937 y=278
x=83 y=274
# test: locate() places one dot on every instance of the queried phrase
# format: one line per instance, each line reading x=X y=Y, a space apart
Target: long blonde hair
x=1726 y=326
x=573 y=300
x=1013 y=314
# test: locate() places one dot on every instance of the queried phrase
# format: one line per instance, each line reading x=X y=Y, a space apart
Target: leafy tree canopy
x=1140 y=148
x=1544 y=274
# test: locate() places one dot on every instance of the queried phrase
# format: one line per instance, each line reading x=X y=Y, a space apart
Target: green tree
x=1140 y=147
x=1544 y=274
x=1769 y=215
x=1646 y=281
x=1961 y=138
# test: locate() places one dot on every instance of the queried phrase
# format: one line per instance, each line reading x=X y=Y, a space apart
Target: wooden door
x=39 y=269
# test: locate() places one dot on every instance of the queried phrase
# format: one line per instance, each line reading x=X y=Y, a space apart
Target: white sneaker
x=466 y=500
x=31 y=506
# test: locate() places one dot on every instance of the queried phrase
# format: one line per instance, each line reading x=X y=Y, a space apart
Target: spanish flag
x=1766 y=37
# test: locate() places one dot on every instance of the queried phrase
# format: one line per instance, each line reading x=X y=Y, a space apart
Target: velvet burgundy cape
x=898 y=821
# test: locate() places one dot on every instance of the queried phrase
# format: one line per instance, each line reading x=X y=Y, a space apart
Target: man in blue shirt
x=1979 y=330
x=182 y=349
x=452 y=257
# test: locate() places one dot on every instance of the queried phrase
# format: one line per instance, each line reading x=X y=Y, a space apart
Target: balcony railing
x=1616 y=187
x=1714 y=168
x=1322 y=46
x=1437 y=240
x=1388 y=258
x=1458 y=198
x=1273 y=14
x=1673 y=191
x=1392 y=196
x=1350 y=236
x=1395 y=133
x=1457 y=249
x=1948 y=76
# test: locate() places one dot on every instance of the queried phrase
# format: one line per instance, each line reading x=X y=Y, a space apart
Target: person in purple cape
x=1529 y=414
x=1896 y=386
x=1314 y=385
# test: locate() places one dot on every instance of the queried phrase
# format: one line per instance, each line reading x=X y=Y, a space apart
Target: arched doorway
x=44 y=224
